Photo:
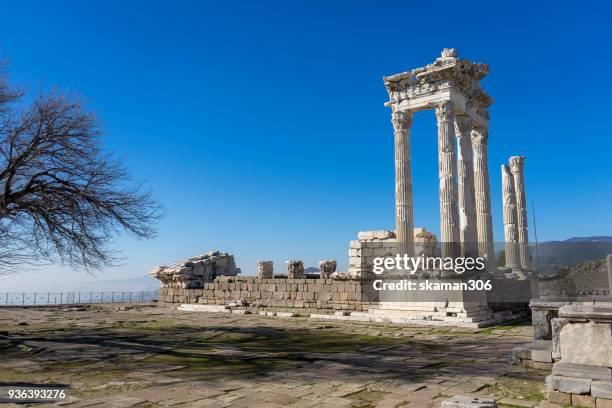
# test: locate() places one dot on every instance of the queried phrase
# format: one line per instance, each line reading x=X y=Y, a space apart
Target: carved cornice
x=517 y=163
x=401 y=119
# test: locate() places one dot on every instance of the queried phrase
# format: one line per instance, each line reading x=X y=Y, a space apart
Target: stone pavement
x=140 y=355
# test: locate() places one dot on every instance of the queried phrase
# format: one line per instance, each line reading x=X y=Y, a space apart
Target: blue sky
x=260 y=126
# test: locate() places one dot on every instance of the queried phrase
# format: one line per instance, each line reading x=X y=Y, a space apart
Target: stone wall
x=308 y=295
x=374 y=244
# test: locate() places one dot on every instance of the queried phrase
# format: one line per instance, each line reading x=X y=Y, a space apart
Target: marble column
x=465 y=190
x=510 y=219
x=482 y=196
x=517 y=164
x=447 y=168
x=404 y=222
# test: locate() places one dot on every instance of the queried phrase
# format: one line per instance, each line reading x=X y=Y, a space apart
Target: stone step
x=190 y=307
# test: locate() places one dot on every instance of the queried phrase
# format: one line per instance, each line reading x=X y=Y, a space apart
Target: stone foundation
x=306 y=295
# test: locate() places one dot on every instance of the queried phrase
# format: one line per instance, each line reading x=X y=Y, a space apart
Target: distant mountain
x=600 y=238
x=551 y=257
x=311 y=269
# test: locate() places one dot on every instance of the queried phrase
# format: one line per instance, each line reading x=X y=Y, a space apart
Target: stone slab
x=586 y=343
x=582 y=371
x=542 y=356
x=601 y=389
x=189 y=307
x=568 y=384
x=464 y=401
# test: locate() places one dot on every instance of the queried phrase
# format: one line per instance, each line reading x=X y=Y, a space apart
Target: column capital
x=401 y=119
x=517 y=163
x=480 y=136
x=463 y=125
x=444 y=111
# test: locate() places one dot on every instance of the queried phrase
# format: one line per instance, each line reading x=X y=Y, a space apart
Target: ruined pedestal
x=582 y=339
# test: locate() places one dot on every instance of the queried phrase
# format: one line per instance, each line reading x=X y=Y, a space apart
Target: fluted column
x=510 y=219
x=465 y=188
x=482 y=196
x=517 y=164
x=404 y=222
x=447 y=169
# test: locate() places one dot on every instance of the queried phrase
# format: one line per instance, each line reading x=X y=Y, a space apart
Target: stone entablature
x=448 y=78
x=194 y=272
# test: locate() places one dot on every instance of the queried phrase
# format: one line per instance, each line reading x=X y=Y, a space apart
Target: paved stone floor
x=140 y=355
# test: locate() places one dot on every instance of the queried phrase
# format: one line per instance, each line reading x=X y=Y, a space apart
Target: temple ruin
x=451 y=87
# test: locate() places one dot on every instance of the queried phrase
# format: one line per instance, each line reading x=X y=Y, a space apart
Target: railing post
x=34 y=298
x=23 y=299
x=48 y=294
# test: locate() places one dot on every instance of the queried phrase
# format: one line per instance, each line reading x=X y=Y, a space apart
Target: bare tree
x=62 y=197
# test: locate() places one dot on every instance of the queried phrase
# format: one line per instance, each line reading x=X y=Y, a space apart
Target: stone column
x=482 y=196
x=404 y=222
x=510 y=219
x=447 y=168
x=465 y=170
x=516 y=166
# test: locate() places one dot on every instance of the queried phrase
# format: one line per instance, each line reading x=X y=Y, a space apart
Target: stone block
x=380 y=234
x=602 y=389
x=585 y=401
x=603 y=403
x=559 y=397
x=542 y=356
x=542 y=366
x=569 y=385
x=582 y=371
x=586 y=343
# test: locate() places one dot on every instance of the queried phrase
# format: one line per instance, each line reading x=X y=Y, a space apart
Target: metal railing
x=72 y=298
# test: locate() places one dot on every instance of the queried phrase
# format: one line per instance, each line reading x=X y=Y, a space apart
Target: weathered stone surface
x=542 y=356
x=265 y=269
x=556 y=325
x=194 y=272
x=295 y=269
x=582 y=371
x=602 y=389
x=584 y=401
x=586 y=343
x=462 y=401
x=327 y=267
x=559 y=397
x=569 y=385
x=603 y=403
x=379 y=234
